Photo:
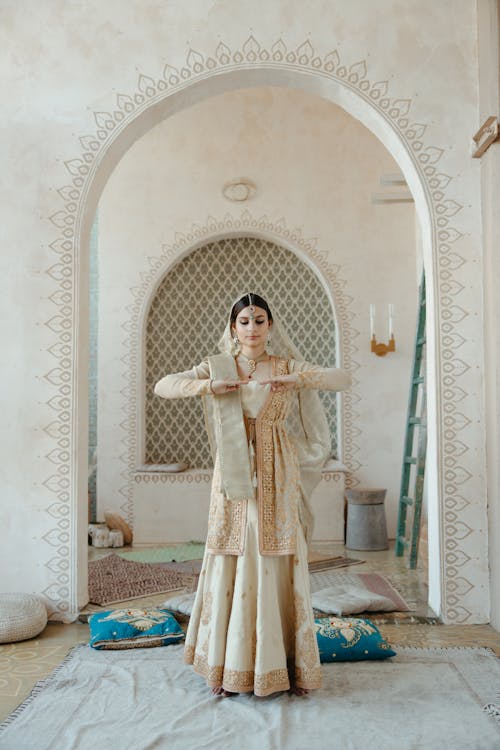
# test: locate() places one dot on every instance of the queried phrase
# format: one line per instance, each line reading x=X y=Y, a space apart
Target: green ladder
x=413 y=472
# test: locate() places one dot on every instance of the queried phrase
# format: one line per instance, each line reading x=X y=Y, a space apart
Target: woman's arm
x=320 y=378
x=195 y=382
x=307 y=375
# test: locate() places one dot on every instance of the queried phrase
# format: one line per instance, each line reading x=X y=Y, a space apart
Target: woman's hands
x=278 y=383
x=283 y=382
x=219 y=387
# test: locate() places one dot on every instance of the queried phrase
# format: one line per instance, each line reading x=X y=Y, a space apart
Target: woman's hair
x=245 y=301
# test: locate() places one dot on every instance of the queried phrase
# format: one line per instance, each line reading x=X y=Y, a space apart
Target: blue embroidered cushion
x=350 y=639
x=133 y=628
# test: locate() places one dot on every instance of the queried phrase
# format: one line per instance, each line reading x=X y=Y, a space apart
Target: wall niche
x=187 y=316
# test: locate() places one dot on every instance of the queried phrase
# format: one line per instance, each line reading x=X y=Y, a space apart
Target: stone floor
x=23 y=664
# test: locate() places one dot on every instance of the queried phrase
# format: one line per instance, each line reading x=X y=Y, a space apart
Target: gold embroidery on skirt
x=300 y=610
x=237 y=681
x=307 y=649
x=206 y=611
x=213 y=675
x=306 y=645
x=188 y=654
x=271 y=682
x=254 y=645
x=308 y=678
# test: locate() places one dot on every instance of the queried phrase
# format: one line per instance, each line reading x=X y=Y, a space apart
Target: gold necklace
x=252 y=363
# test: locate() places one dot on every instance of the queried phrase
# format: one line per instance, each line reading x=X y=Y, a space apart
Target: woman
x=252 y=627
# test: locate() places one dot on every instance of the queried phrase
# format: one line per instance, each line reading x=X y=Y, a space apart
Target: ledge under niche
x=332 y=466
x=174 y=505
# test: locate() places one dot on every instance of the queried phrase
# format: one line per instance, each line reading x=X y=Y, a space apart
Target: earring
x=269 y=343
x=236 y=343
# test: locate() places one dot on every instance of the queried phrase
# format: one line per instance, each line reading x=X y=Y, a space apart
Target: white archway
x=202 y=76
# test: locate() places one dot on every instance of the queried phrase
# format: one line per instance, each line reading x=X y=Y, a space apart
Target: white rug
x=146 y=699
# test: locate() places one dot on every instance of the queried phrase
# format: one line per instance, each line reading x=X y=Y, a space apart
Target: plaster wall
x=315 y=168
x=71 y=72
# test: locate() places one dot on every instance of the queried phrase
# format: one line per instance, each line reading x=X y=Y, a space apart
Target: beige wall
x=419 y=56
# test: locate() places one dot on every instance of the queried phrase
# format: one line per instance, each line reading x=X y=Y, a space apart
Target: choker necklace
x=252 y=363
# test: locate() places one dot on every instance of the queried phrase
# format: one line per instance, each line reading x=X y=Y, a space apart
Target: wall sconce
x=378 y=348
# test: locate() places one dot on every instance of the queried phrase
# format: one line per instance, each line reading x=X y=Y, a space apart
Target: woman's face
x=252 y=328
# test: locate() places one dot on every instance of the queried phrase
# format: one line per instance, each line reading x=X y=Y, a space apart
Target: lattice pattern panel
x=187 y=317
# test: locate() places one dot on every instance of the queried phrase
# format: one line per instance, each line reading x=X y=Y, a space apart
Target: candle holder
x=378 y=348
x=381 y=349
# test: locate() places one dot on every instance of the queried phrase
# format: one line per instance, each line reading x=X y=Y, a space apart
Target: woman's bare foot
x=299 y=691
x=219 y=690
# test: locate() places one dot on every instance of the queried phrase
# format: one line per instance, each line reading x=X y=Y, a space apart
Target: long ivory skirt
x=252 y=626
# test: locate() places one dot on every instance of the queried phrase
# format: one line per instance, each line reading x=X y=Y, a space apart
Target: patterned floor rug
x=169 y=553
x=113 y=579
x=329 y=563
x=147 y=698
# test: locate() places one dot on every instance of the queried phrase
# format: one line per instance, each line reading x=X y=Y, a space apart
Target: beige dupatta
x=225 y=421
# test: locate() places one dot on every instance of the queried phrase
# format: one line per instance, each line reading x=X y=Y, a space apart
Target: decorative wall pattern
x=459 y=474
x=187 y=317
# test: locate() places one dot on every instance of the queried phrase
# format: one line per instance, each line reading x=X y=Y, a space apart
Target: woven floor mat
x=114 y=579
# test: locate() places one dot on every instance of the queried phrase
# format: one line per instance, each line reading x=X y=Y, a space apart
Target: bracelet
x=210 y=387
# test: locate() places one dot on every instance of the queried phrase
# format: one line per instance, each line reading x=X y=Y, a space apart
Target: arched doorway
x=387 y=119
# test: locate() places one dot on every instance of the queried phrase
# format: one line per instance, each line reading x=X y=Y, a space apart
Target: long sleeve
x=195 y=382
x=320 y=378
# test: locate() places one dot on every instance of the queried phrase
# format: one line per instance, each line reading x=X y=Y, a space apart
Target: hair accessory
x=252 y=306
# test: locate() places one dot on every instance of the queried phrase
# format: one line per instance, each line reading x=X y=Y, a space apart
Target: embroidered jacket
x=292 y=443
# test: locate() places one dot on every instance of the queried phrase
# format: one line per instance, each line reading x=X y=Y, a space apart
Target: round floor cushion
x=22 y=616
